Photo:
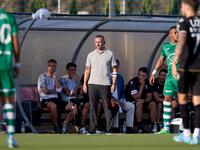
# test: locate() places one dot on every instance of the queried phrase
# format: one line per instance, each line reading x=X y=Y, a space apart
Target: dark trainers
x=141 y=130
x=57 y=130
x=91 y=132
x=115 y=130
x=129 y=130
x=158 y=128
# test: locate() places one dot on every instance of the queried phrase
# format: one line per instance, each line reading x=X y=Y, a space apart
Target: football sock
x=140 y=125
x=152 y=125
x=167 y=111
x=196 y=133
x=197 y=121
x=9 y=118
x=185 y=116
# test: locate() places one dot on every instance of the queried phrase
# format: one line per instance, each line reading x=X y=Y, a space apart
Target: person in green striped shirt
x=171 y=84
x=8 y=46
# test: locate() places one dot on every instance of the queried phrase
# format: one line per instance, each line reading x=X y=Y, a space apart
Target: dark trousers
x=102 y=92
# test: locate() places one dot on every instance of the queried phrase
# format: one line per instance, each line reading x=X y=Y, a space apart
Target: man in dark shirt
x=188 y=51
x=138 y=90
x=157 y=93
x=158 y=96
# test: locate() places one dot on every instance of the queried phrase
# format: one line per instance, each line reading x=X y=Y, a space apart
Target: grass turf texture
x=96 y=142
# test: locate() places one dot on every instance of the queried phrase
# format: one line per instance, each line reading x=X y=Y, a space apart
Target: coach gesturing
x=98 y=68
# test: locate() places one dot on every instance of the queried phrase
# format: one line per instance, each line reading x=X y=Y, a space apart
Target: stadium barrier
x=97 y=8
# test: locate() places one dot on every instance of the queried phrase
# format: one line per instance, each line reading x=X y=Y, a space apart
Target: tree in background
x=174 y=7
x=147 y=7
x=117 y=7
x=37 y=4
x=73 y=9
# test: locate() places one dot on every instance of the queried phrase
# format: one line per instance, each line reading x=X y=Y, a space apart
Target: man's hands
x=140 y=101
x=75 y=76
x=85 y=88
x=55 y=76
x=15 y=72
x=175 y=73
x=174 y=104
x=112 y=88
x=142 y=82
x=120 y=103
x=152 y=79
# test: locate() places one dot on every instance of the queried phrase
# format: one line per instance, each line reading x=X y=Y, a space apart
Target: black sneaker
x=115 y=130
x=141 y=130
x=158 y=128
x=91 y=132
x=57 y=130
x=129 y=130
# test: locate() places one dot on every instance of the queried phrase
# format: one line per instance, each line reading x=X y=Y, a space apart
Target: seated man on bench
x=69 y=82
x=48 y=88
x=139 y=91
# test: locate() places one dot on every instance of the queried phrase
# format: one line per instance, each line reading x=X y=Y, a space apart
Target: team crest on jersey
x=146 y=86
x=171 y=56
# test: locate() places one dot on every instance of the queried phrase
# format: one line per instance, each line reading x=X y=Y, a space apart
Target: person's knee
x=152 y=105
x=139 y=106
x=168 y=98
x=52 y=106
x=131 y=107
x=75 y=110
x=87 y=106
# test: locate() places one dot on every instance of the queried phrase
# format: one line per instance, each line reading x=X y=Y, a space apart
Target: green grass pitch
x=96 y=142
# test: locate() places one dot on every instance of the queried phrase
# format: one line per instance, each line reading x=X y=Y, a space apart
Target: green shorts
x=7 y=84
x=170 y=87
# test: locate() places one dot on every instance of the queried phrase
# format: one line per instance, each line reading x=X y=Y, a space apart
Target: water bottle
x=155 y=127
x=64 y=127
x=23 y=127
x=124 y=127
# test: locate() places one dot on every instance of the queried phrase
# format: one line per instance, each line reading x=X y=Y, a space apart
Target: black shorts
x=59 y=103
x=189 y=82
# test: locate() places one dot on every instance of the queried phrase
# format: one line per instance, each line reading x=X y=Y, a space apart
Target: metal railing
x=96 y=8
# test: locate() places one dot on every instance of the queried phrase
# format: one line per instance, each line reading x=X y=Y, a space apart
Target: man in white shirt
x=68 y=94
x=48 y=88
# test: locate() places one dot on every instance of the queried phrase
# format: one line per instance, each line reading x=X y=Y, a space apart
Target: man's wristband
x=114 y=84
x=154 y=72
x=17 y=64
x=144 y=100
x=114 y=74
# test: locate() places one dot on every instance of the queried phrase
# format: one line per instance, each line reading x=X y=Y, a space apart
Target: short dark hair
x=163 y=70
x=143 y=69
x=52 y=60
x=173 y=27
x=71 y=65
x=100 y=36
x=117 y=61
x=193 y=3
